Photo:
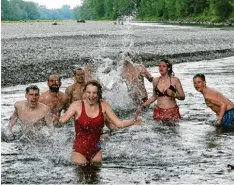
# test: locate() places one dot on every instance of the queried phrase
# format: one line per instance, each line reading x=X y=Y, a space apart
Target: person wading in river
x=53 y=98
x=76 y=90
x=166 y=89
x=31 y=113
x=133 y=75
x=218 y=103
x=88 y=115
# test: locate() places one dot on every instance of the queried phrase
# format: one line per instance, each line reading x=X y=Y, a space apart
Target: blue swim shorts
x=228 y=118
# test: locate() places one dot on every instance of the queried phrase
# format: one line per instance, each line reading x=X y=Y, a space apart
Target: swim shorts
x=228 y=118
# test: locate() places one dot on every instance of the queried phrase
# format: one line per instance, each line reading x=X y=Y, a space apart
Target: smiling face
x=79 y=76
x=91 y=94
x=32 y=97
x=163 y=68
x=199 y=84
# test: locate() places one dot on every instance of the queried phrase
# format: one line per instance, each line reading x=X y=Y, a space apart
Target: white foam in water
x=117 y=93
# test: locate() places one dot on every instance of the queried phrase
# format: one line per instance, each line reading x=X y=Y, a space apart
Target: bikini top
x=160 y=94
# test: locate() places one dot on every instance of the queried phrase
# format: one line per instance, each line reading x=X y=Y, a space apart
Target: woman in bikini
x=166 y=89
x=89 y=122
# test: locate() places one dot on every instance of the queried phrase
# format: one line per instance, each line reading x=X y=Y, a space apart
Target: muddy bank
x=32 y=51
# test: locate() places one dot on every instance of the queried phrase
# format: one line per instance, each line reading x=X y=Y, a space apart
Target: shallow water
x=194 y=152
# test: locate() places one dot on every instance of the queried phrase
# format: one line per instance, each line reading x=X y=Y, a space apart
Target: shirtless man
x=53 y=98
x=218 y=103
x=133 y=75
x=75 y=91
x=32 y=114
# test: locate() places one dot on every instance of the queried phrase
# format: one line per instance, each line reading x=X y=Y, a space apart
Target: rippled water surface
x=194 y=152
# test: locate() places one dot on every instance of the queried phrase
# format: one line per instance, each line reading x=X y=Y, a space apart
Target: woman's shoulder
x=175 y=78
x=77 y=103
x=105 y=104
x=155 y=79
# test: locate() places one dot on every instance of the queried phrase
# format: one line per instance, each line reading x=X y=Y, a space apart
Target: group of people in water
x=83 y=102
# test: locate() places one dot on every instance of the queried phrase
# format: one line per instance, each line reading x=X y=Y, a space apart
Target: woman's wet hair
x=33 y=87
x=169 y=67
x=96 y=84
x=200 y=75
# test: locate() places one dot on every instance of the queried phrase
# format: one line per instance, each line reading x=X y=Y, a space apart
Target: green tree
x=76 y=13
x=223 y=9
x=4 y=10
x=87 y=10
x=32 y=11
x=66 y=12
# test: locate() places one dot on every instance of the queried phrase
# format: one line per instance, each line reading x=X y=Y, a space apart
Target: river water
x=195 y=152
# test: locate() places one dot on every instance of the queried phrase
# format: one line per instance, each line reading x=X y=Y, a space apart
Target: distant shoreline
x=206 y=24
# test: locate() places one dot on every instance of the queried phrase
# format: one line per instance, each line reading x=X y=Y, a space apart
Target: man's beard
x=54 y=88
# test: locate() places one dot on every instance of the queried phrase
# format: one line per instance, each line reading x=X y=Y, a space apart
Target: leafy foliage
x=15 y=10
x=205 y=10
x=200 y=10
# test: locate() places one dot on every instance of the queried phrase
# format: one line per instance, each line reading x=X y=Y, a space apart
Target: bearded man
x=53 y=98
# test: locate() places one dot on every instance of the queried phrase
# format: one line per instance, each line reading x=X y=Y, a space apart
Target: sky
x=55 y=4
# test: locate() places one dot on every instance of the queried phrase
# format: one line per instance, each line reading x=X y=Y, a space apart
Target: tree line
x=16 y=10
x=146 y=10
x=154 y=10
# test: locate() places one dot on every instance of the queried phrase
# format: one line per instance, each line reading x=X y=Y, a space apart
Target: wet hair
x=33 y=87
x=79 y=68
x=59 y=77
x=96 y=84
x=200 y=75
x=169 y=67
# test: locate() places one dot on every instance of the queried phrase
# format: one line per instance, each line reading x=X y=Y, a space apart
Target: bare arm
x=116 y=121
x=179 y=94
x=13 y=119
x=218 y=102
x=69 y=113
x=147 y=103
x=66 y=103
x=42 y=99
x=108 y=123
x=68 y=92
x=145 y=73
x=49 y=121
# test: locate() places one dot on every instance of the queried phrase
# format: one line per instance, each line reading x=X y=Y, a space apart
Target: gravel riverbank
x=32 y=51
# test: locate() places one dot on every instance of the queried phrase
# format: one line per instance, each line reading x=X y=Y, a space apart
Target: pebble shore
x=33 y=51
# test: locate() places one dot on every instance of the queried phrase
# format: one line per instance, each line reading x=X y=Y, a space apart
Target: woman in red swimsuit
x=166 y=89
x=89 y=122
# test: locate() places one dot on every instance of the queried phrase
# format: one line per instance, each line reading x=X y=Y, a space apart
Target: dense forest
x=16 y=10
x=153 y=10
x=147 y=10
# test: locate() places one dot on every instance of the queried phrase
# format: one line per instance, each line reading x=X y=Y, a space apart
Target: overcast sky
x=57 y=3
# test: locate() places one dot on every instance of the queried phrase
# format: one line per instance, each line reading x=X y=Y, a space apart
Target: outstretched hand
x=137 y=113
x=137 y=121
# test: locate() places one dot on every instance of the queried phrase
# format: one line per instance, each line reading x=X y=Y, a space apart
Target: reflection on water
x=88 y=174
x=195 y=151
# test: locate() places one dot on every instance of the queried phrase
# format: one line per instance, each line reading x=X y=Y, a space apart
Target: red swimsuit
x=88 y=131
